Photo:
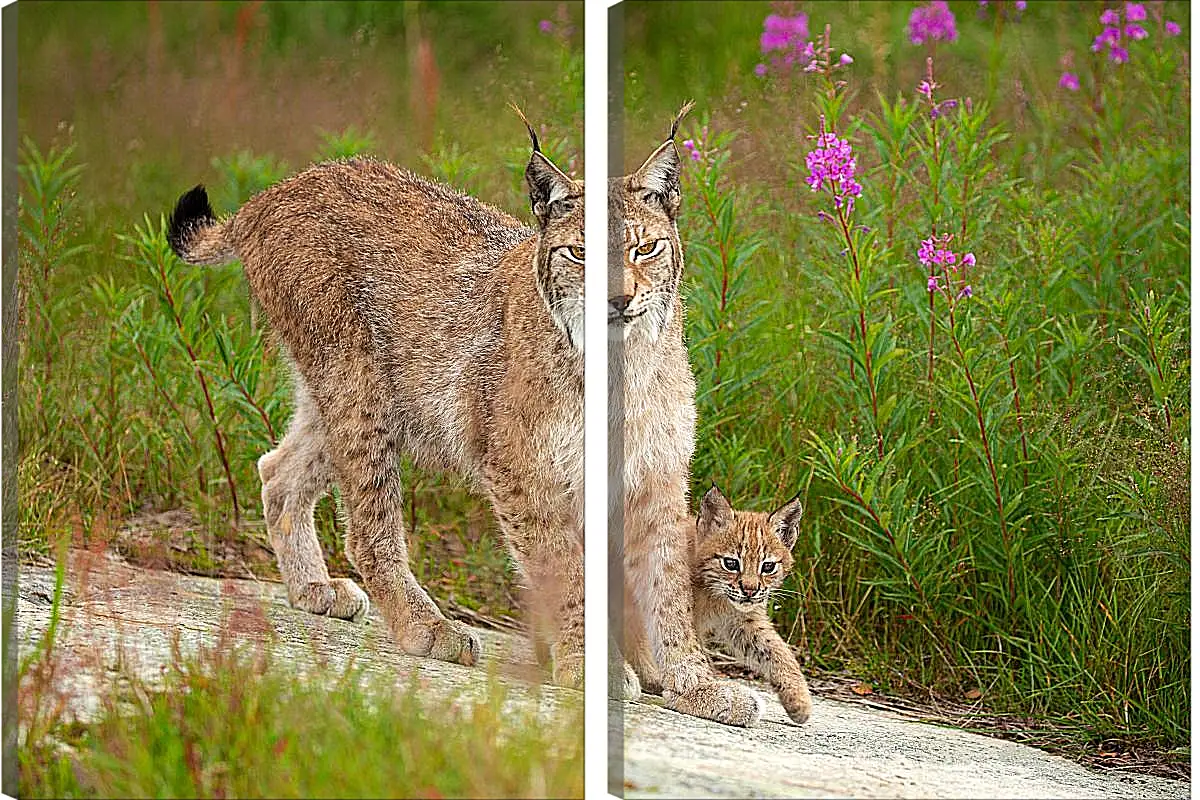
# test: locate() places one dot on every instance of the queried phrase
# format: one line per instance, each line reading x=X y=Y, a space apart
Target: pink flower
x=760 y=70
x=1135 y=12
x=933 y=283
x=1110 y=17
x=1172 y=28
x=1069 y=80
x=966 y=292
x=1135 y=31
x=933 y=22
x=846 y=60
x=969 y=259
x=546 y=26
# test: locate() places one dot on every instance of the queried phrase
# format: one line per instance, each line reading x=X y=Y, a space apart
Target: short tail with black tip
x=195 y=234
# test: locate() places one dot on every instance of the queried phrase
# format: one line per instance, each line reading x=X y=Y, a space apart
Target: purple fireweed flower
x=926 y=88
x=1118 y=54
x=692 y=150
x=1134 y=31
x=546 y=26
x=932 y=285
x=1020 y=5
x=934 y=22
x=845 y=60
x=1135 y=12
x=1110 y=17
x=1172 y=28
x=966 y=292
x=1069 y=80
x=969 y=259
x=831 y=165
x=760 y=70
x=783 y=33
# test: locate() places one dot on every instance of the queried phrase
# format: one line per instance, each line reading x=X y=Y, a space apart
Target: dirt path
x=113 y=608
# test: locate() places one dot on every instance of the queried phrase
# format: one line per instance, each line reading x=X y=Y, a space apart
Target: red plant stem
x=862 y=502
x=212 y=414
x=862 y=329
x=987 y=455
x=253 y=404
x=1012 y=379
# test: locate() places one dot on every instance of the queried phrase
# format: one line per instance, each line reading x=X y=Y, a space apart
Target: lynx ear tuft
x=683 y=112
x=715 y=511
x=547 y=185
x=528 y=127
x=786 y=521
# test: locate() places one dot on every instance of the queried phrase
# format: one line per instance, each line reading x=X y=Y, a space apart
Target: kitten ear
x=547 y=185
x=660 y=175
x=715 y=511
x=786 y=521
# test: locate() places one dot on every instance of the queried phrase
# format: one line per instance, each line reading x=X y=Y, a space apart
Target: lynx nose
x=620 y=302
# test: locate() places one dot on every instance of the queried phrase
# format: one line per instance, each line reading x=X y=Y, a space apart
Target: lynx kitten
x=418 y=320
x=738 y=558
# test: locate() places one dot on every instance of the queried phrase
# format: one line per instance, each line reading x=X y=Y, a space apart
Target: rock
x=116 y=613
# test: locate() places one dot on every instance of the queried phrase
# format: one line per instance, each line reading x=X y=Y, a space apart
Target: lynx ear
x=786 y=521
x=660 y=175
x=547 y=185
x=715 y=512
x=683 y=112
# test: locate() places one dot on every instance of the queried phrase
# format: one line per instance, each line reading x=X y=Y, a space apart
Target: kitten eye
x=575 y=253
x=768 y=567
x=650 y=248
x=731 y=564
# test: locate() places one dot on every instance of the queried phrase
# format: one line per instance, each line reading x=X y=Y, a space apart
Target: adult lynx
x=653 y=418
x=418 y=320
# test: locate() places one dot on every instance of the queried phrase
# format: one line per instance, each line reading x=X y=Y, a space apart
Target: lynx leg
x=363 y=446
x=294 y=476
x=542 y=533
x=753 y=640
x=636 y=647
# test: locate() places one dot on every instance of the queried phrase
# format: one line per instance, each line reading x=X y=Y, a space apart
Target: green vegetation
x=997 y=485
x=148 y=390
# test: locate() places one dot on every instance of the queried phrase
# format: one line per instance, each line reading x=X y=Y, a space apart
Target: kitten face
x=741 y=556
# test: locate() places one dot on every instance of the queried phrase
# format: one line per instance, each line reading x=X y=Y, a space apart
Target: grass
x=996 y=485
x=352 y=733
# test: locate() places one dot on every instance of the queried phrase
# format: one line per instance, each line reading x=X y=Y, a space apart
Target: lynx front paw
x=797 y=703
x=623 y=683
x=339 y=598
x=720 y=701
x=568 y=671
x=443 y=640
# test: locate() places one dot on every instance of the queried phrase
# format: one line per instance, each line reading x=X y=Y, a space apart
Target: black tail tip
x=192 y=211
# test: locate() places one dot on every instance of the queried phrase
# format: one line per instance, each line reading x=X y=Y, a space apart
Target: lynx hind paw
x=568 y=671
x=339 y=598
x=445 y=641
x=720 y=701
x=349 y=601
x=798 y=705
x=631 y=687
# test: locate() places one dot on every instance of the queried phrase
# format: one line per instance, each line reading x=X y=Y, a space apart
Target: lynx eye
x=575 y=253
x=731 y=564
x=768 y=567
x=651 y=248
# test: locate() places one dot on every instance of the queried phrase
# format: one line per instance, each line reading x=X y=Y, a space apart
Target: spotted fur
x=418 y=320
x=738 y=559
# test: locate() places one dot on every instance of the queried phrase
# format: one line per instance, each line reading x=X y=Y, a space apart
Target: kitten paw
x=687 y=674
x=719 y=701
